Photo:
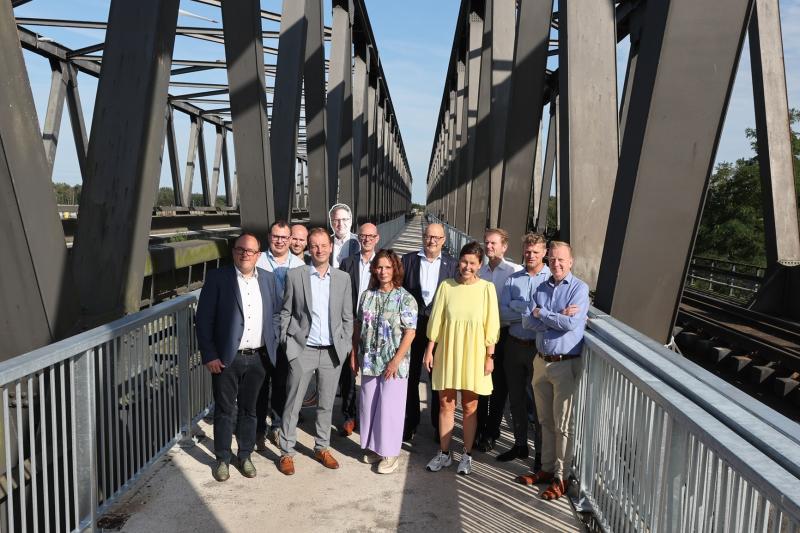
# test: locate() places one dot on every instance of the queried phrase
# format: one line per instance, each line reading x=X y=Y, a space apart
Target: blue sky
x=414 y=39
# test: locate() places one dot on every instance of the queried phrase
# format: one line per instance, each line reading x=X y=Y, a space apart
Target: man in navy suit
x=238 y=320
x=358 y=267
x=424 y=270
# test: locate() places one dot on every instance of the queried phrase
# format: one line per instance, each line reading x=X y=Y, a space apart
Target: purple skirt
x=382 y=409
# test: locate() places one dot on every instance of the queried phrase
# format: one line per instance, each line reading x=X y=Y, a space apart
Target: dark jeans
x=235 y=394
x=490 y=408
x=519 y=372
x=347 y=388
x=418 y=346
x=276 y=376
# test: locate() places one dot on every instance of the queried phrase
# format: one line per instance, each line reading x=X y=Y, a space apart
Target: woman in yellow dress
x=463 y=328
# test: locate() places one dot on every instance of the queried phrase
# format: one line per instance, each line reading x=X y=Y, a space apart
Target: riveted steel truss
x=297 y=125
x=631 y=179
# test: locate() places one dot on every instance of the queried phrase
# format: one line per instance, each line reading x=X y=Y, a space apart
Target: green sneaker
x=220 y=472
x=247 y=468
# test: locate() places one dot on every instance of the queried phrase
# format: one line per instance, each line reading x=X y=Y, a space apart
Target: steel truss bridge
x=661 y=444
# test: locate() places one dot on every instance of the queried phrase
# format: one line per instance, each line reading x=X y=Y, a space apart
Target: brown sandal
x=554 y=491
x=534 y=478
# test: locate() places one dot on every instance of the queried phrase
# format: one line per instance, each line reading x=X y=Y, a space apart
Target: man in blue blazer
x=238 y=320
x=424 y=271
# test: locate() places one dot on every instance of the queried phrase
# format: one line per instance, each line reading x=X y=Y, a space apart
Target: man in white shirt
x=423 y=271
x=344 y=242
x=358 y=267
x=278 y=260
x=497 y=269
x=237 y=332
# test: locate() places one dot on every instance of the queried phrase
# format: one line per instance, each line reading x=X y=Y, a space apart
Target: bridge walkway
x=179 y=494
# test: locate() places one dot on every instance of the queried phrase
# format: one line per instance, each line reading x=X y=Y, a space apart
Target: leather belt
x=523 y=342
x=328 y=347
x=556 y=358
x=250 y=351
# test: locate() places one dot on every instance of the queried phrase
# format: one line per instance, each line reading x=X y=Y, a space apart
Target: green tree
x=165 y=197
x=67 y=194
x=732 y=226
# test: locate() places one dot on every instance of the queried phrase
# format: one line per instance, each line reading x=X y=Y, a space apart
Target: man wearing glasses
x=238 y=320
x=424 y=270
x=358 y=268
x=344 y=243
x=278 y=260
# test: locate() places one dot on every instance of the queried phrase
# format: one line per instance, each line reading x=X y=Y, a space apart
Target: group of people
x=481 y=326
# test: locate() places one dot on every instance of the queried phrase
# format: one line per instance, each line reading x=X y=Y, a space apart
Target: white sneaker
x=442 y=460
x=388 y=465
x=465 y=465
x=371 y=458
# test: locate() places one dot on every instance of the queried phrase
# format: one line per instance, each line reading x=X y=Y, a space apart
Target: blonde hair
x=561 y=244
x=530 y=239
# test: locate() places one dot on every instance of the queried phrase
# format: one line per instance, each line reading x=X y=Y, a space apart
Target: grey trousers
x=301 y=370
x=553 y=387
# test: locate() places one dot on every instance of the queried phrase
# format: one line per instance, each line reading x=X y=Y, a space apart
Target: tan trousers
x=553 y=388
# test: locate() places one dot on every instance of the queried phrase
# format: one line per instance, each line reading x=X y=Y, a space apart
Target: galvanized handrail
x=649 y=458
x=84 y=417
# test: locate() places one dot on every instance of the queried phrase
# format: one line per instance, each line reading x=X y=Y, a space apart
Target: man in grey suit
x=317 y=332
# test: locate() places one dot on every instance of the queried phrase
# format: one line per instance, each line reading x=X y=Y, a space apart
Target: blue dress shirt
x=558 y=334
x=320 y=332
x=267 y=262
x=515 y=299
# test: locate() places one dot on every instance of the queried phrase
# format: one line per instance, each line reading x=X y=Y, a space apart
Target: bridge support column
x=35 y=281
x=588 y=143
x=124 y=163
x=340 y=107
x=524 y=117
x=677 y=107
x=773 y=135
x=244 y=52
x=360 y=133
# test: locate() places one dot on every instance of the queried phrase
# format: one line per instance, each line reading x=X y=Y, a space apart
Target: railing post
x=672 y=482
x=184 y=377
x=84 y=439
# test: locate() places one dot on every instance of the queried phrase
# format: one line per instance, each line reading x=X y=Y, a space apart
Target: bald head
x=369 y=238
x=298 y=240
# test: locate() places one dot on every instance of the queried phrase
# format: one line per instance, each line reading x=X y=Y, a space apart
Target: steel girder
x=112 y=230
x=35 y=284
x=680 y=66
x=244 y=53
x=108 y=255
x=677 y=108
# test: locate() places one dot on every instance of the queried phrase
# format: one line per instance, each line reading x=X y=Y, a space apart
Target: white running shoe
x=388 y=465
x=442 y=460
x=465 y=465
x=371 y=458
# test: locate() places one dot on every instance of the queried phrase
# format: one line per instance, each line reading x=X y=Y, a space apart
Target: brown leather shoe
x=326 y=458
x=348 y=427
x=534 y=478
x=286 y=465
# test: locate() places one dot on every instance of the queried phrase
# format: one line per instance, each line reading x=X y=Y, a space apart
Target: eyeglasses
x=433 y=238
x=341 y=220
x=245 y=251
x=279 y=237
x=366 y=236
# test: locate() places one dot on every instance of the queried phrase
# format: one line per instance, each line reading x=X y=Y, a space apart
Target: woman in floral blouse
x=384 y=328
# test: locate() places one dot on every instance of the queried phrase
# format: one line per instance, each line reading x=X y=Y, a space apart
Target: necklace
x=377 y=341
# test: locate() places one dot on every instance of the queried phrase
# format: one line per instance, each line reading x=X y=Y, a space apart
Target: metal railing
x=737 y=281
x=455 y=239
x=648 y=458
x=84 y=417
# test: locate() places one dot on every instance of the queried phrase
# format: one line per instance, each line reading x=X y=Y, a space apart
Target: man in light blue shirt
x=317 y=333
x=278 y=260
x=558 y=315
x=520 y=347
